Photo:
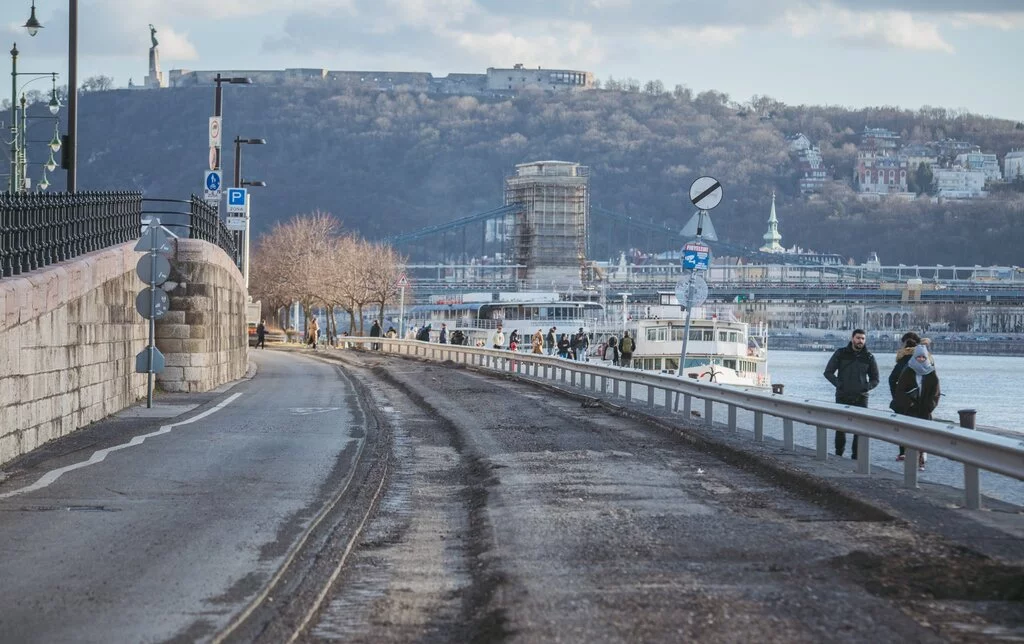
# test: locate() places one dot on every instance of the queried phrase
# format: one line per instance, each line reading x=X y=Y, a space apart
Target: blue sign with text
x=696 y=257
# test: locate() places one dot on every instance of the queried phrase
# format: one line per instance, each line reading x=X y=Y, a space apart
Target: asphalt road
x=172 y=538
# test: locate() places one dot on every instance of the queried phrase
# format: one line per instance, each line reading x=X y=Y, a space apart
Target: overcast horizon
x=849 y=53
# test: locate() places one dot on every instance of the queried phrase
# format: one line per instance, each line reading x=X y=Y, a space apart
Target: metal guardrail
x=40 y=229
x=976 y=450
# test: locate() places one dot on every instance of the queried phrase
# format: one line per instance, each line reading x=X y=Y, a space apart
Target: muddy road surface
x=513 y=512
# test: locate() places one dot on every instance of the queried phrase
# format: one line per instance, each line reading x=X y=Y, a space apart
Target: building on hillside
x=947 y=149
x=798 y=143
x=879 y=139
x=521 y=78
x=772 y=237
x=878 y=174
x=987 y=163
x=811 y=172
x=1013 y=165
x=918 y=153
x=549 y=235
x=959 y=183
x=492 y=82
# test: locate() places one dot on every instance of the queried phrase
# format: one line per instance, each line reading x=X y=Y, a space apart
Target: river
x=968 y=382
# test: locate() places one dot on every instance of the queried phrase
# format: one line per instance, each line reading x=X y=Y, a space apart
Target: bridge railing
x=976 y=450
x=39 y=229
x=193 y=218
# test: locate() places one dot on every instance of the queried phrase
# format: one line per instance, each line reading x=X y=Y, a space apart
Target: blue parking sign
x=236 y=200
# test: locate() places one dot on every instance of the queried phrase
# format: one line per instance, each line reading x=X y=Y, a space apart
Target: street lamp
x=18 y=151
x=32 y=25
x=218 y=101
x=239 y=142
x=242 y=239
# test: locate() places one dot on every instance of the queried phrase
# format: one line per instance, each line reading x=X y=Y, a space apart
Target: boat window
x=702 y=334
x=657 y=334
x=677 y=333
x=723 y=336
x=734 y=336
x=729 y=364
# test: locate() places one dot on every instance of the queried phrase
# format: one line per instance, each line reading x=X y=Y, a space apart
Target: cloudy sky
x=951 y=53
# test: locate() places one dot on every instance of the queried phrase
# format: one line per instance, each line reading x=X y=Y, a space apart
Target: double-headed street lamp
x=32 y=25
x=18 y=145
x=242 y=239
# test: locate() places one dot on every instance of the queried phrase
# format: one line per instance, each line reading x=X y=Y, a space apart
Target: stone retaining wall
x=68 y=338
x=203 y=336
x=69 y=334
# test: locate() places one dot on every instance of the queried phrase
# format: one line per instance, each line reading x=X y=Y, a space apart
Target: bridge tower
x=549 y=235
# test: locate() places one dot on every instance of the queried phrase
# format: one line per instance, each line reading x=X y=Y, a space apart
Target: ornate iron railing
x=40 y=229
x=37 y=230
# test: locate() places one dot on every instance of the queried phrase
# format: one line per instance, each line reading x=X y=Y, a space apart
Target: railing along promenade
x=40 y=229
x=976 y=450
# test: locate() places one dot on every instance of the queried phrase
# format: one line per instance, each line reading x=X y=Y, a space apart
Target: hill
x=386 y=163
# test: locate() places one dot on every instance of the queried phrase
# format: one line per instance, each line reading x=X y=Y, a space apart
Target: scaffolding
x=549 y=234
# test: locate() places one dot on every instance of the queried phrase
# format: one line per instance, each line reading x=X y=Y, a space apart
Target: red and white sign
x=403 y=281
x=215 y=131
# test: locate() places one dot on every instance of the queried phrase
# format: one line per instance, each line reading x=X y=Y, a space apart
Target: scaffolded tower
x=549 y=235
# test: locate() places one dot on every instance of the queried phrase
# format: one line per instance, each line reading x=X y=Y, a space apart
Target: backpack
x=626 y=345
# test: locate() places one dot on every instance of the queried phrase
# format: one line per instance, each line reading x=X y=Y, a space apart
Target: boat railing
x=976 y=450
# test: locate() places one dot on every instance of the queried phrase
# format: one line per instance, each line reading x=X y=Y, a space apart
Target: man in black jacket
x=852 y=370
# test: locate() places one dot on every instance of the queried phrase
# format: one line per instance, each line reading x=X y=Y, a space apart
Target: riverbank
x=972 y=347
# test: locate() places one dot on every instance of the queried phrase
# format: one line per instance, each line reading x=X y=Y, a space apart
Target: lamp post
x=218 y=102
x=242 y=238
x=33 y=26
x=16 y=181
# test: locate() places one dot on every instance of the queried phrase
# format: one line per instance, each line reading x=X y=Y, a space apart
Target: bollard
x=967 y=417
x=972 y=479
x=777 y=389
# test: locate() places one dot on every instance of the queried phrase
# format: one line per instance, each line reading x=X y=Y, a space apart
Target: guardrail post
x=615 y=387
x=709 y=412
x=787 y=434
x=910 y=468
x=687 y=406
x=972 y=480
x=650 y=396
x=822 y=451
x=547 y=372
x=758 y=426
x=564 y=375
x=863 y=454
x=732 y=418
x=629 y=391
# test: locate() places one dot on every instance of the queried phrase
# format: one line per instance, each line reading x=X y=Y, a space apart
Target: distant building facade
x=959 y=183
x=986 y=163
x=493 y=81
x=879 y=174
x=1013 y=165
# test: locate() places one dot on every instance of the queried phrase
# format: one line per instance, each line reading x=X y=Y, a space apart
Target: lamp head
x=257 y=141
x=32 y=24
x=254 y=184
x=239 y=80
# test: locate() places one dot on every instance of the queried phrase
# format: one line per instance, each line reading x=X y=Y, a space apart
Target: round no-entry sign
x=706 y=193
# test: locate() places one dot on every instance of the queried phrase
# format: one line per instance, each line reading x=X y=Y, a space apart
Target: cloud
x=889 y=29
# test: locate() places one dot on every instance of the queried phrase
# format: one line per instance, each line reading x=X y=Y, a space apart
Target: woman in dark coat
x=917 y=390
x=909 y=341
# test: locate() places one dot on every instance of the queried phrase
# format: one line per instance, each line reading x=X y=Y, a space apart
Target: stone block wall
x=203 y=336
x=68 y=338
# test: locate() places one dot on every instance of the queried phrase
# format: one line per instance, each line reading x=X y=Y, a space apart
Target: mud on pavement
x=517 y=513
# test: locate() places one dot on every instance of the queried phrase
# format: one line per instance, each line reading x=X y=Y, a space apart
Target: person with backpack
x=626 y=347
x=852 y=370
x=613 y=347
x=581 y=344
x=908 y=343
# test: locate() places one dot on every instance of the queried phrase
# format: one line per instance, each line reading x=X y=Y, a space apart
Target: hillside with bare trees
x=390 y=162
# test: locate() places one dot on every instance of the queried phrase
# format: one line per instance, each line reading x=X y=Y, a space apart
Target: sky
x=959 y=54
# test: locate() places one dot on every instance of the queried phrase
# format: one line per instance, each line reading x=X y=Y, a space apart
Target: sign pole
x=401 y=312
x=689 y=301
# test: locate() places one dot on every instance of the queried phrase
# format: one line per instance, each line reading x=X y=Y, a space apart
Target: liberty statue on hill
x=152 y=36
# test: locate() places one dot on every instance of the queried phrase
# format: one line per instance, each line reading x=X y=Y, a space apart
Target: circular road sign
x=150 y=274
x=152 y=303
x=696 y=296
x=706 y=193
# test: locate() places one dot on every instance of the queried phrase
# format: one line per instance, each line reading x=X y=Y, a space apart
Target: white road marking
x=99 y=455
x=306 y=411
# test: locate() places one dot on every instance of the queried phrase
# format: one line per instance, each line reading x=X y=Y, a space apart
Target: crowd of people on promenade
x=913 y=382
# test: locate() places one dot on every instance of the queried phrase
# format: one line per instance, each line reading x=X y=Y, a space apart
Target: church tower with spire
x=772 y=237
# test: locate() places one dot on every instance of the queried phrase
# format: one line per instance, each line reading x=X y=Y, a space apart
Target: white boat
x=720 y=349
x=478 y=315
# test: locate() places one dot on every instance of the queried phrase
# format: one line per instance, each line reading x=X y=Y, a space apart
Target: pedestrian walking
x=458 y=337
x=443 y=336
x=537 y=342
x=626 y=347
x=564 y=346
x=498 y=341
x=908 y=343
x=424 y=333
x=391 y=334
x=314 y=332
x=612 y=346
x=852 y=370
x=375 y=333
x=917 y=391
x=582 y=344
x=514 y=340
x=261 y=335
x=550 y=342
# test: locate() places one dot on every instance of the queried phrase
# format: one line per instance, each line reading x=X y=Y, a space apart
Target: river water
x=984 y=383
